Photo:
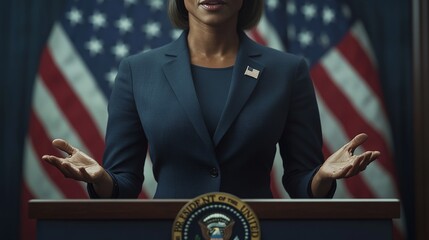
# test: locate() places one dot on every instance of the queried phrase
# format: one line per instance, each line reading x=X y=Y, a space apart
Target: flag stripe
x=358 y=188
x=399 y=224
x=355 y=56
x=71 y=106
x=277 y=175
x=333 y=132
x=351 y=50
x=384 y=186
x=359 y=33
x=78 y=76
x=343 y=75
x=278 y=164
x=51 y=117
x=36 y=177
x=254 y=34
x=43 y=146
x=273 y=186
x=352 y=121
x=149 y=184
x=342 y=191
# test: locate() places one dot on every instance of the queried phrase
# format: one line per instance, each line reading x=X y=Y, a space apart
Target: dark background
x=25 y=26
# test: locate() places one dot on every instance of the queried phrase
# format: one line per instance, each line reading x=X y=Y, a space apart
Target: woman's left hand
x=344 y=164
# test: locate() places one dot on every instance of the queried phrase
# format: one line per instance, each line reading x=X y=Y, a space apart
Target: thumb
x=64 y=146
x=356 y=142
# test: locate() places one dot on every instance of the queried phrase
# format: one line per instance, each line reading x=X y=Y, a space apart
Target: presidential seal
x=216 y=216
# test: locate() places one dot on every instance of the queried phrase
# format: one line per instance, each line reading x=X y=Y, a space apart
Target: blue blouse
x=212 y=83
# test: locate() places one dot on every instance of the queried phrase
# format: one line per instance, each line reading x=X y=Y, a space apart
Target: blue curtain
x=24 y=28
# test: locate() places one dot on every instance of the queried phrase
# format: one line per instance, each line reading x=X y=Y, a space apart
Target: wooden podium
x=152 y=219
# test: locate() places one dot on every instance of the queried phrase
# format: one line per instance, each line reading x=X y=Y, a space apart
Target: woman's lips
x=212 y=5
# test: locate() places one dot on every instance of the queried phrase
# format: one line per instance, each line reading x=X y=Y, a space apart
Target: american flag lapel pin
x=251 y=72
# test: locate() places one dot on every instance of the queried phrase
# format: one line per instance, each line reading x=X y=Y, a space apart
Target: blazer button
x=214 y=172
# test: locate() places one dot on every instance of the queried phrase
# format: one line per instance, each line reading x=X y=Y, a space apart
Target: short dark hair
x=248 y=17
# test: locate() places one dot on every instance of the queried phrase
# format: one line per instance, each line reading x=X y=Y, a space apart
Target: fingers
x=356 y=142
x=56 y=161
x=72 y=166
x=65 y=168
x=360 y=162
x=64 y=146
x=367 y=159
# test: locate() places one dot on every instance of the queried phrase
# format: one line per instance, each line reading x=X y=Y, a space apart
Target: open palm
x=344 y=164
x=77 y=165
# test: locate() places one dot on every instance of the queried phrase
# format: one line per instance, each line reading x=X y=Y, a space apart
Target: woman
x=210 y=107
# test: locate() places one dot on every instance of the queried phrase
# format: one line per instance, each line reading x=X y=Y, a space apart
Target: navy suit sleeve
x=126 y=143
x=301 y=142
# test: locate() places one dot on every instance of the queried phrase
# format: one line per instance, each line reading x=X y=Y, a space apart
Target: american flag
x=79 y=63
x=344 y=72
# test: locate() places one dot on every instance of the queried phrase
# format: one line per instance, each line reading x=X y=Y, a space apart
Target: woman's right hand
x=77 y=165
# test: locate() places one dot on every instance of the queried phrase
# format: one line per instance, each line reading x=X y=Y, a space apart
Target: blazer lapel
x=242 y=85
x=178 y=74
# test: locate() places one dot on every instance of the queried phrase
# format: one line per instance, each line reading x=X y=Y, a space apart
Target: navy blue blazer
x=154 y=106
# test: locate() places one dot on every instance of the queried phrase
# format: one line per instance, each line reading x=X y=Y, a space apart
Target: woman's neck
x=213 y=47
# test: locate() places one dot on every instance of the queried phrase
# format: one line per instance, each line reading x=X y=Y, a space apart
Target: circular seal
x=216 y=216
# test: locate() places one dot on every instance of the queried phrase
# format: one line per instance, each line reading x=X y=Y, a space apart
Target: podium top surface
x=167 y=209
